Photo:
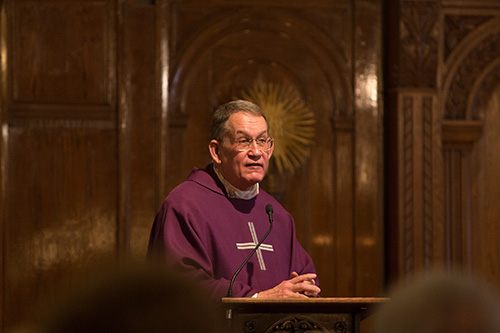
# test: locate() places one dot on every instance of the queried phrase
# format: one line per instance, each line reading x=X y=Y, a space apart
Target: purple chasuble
x=208 y=236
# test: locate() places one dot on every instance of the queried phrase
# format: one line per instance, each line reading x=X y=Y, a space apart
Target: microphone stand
x=269 y=211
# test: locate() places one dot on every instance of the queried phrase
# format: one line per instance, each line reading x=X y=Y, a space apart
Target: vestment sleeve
x=302 y=262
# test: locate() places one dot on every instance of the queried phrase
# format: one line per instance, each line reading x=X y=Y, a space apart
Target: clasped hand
x=298 y=286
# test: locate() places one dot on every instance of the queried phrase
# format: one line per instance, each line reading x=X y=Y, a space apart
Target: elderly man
x=209 y=224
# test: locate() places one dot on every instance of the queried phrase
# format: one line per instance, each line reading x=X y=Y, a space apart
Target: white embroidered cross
x=252 y=245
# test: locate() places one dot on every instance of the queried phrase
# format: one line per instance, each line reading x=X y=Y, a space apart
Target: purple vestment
x=208 y=236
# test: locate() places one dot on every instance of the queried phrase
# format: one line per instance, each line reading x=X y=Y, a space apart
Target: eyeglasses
x=262 y=144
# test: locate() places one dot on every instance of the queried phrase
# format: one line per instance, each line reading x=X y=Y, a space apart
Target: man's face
x=242 y=169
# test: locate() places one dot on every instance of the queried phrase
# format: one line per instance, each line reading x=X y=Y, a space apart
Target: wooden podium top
x=304 y=305
x=317 y=300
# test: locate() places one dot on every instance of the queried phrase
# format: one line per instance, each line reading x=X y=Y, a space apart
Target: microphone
x=269 y=211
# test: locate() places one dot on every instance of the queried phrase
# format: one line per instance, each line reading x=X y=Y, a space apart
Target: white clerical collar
x=234 y=192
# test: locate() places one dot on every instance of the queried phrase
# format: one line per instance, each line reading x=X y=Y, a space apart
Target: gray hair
x=440 y=301
x=223 y=112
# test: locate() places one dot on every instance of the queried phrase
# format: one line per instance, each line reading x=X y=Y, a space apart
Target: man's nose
x=254 y=148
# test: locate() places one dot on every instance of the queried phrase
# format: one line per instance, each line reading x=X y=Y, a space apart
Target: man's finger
x=304 y=277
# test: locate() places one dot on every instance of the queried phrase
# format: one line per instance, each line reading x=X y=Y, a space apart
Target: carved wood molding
x=466 y=68
x=420 y=189
x=301 y=324
x=342 y=123
x=227 y=26
x=461 y=133
x=408 y=187
x=457 y=27
x=419 y=43
x=484 y=87
x=428 y=188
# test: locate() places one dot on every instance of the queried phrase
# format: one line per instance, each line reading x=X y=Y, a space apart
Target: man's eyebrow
x=245 y=133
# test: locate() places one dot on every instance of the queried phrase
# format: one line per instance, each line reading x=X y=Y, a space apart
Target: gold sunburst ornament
x=290 y=120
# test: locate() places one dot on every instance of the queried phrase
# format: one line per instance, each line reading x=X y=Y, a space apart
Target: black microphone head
x=269 y=209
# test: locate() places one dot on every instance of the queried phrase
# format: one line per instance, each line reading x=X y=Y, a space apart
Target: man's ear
x=213 y=148
x=270 y=152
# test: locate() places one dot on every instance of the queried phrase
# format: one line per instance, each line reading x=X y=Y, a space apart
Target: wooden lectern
x=336 y=315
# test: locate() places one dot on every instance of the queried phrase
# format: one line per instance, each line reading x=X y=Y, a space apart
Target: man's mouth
x=254 y=165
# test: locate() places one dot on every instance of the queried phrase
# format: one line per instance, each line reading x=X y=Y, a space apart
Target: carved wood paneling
x=470 y=181
x=60 y=164
x=408 y=244
x=470 y=83
x=458 y=27
x=105 y=106
x=342 y=229
x=467 y=69
x=66 y=59
x=296 y=323
x=419 y=168
x=481 y=218
x=61 y=211
x=442 y=139
x=367 y=151
x=144 y=125
x=457 y=202
x=483 y=89
x=428 y=167
x=418 y=43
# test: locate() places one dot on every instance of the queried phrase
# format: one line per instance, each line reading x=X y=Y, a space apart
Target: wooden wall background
x=105 y=103
x=442 y=144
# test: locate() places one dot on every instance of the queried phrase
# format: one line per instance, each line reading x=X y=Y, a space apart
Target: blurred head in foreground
x=135 y=300
x=440 y=302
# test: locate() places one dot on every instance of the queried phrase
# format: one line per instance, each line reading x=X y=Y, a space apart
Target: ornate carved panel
x=297 y=324
x=419 y=43
x=273 y=321
x=420 y=173
x=471 y=81
x=458 y=27
x=468 y=66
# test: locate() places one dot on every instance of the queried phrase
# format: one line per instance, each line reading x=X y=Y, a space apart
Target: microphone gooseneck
x=269 y=211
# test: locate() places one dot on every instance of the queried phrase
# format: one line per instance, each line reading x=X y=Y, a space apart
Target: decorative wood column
x=413 y=199
x=419 y=175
